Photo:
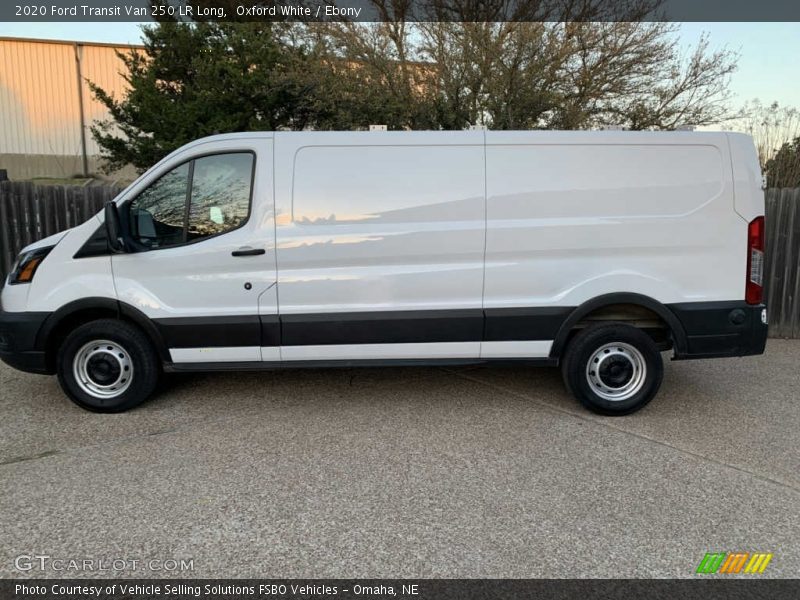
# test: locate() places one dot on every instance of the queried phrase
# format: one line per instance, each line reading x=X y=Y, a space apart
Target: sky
x=767 y=65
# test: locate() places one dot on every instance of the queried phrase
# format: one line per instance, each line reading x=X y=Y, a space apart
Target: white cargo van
x=595 y=251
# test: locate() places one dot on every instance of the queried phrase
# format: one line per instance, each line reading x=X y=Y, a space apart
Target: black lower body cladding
x=708 y=330
x=18 y=341
x=719 y=329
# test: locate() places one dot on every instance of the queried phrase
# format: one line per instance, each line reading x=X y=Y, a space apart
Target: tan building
x=46 y=106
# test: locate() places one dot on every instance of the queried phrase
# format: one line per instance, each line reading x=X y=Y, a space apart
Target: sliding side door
x=380 y=240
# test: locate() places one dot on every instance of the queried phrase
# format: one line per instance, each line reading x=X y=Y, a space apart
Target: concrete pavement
x=408 y=472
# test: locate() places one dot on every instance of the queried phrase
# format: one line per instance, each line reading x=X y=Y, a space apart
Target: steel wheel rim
x=103 y=369
x=616 y=371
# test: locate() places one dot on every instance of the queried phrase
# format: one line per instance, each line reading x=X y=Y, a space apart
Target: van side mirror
x=113 y=227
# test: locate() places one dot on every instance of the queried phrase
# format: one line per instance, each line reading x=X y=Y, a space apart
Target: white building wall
x=40 y=109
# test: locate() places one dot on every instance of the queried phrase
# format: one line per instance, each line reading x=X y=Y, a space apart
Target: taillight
x=754 y=290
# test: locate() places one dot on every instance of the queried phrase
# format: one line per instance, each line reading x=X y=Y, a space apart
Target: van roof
x=537 y=133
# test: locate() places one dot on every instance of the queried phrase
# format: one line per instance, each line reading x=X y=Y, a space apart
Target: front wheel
x=107 y=366
x=613 y=369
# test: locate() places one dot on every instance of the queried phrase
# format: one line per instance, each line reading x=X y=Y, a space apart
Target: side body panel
x=573 y=216
x=369 y=223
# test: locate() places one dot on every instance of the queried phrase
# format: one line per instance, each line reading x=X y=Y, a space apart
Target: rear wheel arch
x=599 y=303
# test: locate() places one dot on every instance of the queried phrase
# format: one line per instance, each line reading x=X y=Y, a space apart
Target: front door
x=203 y=234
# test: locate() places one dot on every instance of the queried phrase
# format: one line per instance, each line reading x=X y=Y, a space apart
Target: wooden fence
x=783 y=262
x=30 y=212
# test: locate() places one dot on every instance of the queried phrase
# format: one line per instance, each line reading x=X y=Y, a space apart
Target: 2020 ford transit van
x=595 y=251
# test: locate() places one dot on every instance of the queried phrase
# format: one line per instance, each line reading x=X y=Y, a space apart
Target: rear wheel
x=107 y=366
x=613 y=369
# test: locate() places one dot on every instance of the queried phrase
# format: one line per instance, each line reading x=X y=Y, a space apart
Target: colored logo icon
x=734 y=562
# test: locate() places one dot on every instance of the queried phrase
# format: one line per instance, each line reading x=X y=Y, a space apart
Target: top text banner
x=398 y=10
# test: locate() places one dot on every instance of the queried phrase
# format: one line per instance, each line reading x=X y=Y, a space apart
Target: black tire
x=100 y=366
x=619 y=349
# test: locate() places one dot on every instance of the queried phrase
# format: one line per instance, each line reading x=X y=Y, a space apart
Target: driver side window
x=158 y=214
x=201 y=198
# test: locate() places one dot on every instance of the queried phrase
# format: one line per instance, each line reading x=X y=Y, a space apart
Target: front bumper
x=719 y=329
x=18 y=341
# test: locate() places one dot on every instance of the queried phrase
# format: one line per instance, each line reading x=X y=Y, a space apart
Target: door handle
x=247 y=251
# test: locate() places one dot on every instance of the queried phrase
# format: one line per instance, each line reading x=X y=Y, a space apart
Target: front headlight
x=27 y=263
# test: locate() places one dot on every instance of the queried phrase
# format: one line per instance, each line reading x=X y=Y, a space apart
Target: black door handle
x=248 y=252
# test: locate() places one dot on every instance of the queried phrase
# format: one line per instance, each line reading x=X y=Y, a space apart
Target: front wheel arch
x=66 y=319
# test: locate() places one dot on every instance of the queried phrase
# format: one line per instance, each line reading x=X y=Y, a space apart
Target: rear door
x=380 y=244
x=202 y=223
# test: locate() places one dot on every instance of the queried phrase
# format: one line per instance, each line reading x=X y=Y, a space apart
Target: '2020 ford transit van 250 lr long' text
x=595 y=251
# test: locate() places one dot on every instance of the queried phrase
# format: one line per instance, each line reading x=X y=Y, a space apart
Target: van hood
x=50 y=240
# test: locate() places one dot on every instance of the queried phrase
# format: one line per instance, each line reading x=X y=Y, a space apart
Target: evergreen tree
x=783 y=169
x=196 y=80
